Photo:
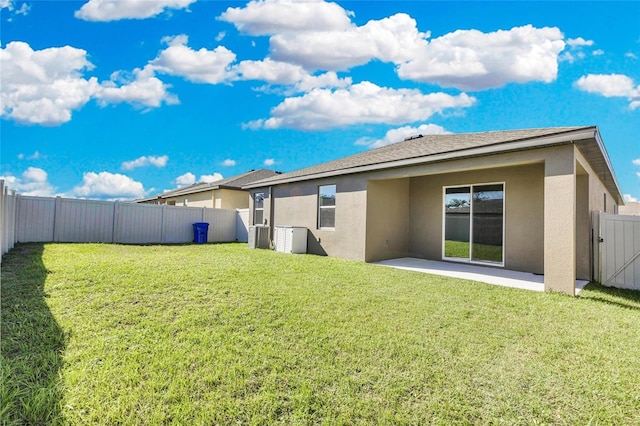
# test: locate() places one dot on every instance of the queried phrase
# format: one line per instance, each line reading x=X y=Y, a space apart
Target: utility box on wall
x=291 y=239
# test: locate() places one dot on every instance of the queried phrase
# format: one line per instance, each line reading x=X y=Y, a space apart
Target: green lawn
x=220 y=334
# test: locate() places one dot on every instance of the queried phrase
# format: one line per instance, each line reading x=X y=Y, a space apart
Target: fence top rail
x=126 y=203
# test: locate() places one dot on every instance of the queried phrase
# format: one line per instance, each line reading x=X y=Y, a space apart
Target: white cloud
x=43 y=86
x=401 y=133
x=46 y=86
x=229 y=162
x=217 y=66
x=10 y=5
x=282 y=73
x=269 y=162
x=159 y=161
x=394 y=39
x=611 y=85
x=35 y=174
x=105 y=185
x=112 y=10
x=628 y=198
x=274 y=72
x=361 y=103
x=221 y=35
x=35 y=156
x=465 y=59
x=33 y=182
x=279 y=16
x=631 y=55
x=636 y=162
x=473 y=60
x=574 y=42
x=210 y=178
x=138 y=88
x=199 y=66
x=185 y=179
x=575 y=50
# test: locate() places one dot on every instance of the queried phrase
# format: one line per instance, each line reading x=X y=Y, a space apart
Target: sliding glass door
x=474 y=223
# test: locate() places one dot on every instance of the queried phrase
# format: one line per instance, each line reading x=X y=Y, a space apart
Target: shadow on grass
x=32 y=342
x=624 y=298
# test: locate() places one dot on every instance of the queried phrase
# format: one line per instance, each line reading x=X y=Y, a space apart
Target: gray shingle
x=233 y=182
x=421 y=147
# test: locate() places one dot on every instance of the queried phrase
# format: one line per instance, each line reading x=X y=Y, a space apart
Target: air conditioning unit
x=259 y=237
x=290 y=239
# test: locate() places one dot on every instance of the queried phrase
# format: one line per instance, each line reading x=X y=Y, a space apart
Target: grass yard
x=220 y=334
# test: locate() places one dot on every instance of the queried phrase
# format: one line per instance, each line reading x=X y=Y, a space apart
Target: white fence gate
x=617 y=254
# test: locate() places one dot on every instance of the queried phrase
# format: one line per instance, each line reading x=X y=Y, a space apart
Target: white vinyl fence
x=7 y=218
x=617 y=253
x=46 y=219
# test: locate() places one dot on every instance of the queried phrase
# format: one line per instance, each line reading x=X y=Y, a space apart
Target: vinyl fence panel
x=83 y=221
x=178 y=223
x=138 y=223
x=45 y=219
x=8 y=207
x=222 y=224
x=242 y=225
x=35 y=219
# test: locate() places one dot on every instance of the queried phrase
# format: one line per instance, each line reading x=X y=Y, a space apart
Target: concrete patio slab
x=485 y=274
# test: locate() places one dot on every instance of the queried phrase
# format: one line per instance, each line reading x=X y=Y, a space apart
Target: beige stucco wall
x=560 y=221
x=296 y=205
x=199 y=199
x=387 y=231
x=523 y=213
x=630 y=208
x=215 y=198
x=230 y=199
x=549 y=196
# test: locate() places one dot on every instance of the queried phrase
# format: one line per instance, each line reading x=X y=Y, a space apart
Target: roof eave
x=607 y=160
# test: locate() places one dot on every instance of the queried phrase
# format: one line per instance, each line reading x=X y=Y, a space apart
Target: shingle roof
x=422 y=146
x=233 y=182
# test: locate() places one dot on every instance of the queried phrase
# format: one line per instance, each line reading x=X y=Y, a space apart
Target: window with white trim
x=326 y=207
x=258 y=208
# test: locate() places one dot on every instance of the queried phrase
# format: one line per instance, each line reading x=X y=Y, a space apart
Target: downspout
x=271 y=215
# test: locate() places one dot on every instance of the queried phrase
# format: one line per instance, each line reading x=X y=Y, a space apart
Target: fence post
x=116 y=222
x=3 y=218
x=57 y=219
x=12 y=220
x=162 y=224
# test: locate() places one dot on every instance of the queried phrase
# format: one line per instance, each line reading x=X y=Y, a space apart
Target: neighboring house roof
x=234 y=182
x=440 y=147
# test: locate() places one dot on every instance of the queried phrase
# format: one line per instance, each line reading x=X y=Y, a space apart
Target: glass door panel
x=487 y=221
x=457 y=224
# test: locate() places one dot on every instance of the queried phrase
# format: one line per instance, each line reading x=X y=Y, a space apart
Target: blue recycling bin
x=200 y=230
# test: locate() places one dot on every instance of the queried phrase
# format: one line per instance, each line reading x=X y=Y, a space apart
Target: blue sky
x=124 y=99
